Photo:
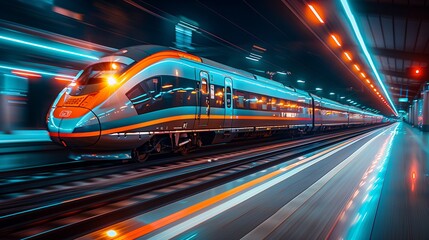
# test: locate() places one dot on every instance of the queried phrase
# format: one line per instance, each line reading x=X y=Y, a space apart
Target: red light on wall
x=316 y=13
x=363 y=75
x=368 y=81
x=416 y=72
x=26 y=74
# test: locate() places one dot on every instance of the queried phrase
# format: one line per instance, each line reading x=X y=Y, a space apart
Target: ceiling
x=275 y=32
x=397 y=32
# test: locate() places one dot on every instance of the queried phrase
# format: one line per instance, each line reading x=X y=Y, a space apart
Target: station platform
x=25 y=140
x=373 y=187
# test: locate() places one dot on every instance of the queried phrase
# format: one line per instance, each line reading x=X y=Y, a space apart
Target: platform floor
x=375 y=186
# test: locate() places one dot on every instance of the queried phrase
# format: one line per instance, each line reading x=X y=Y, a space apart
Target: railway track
x=96 y=209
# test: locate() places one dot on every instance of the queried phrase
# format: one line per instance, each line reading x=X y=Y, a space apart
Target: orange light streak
x=315 y=13
x=348 y=56
x=336 y=40
x=357 y=67
x=26 y=74
x=63 y=79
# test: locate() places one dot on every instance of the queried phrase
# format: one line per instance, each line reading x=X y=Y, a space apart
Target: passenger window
x=264 y=103
x=273 y=104
x=253 y=102
x=204 y=83
x=204 y=86
x=239 y=99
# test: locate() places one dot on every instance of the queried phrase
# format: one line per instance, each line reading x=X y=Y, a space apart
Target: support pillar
x=425 y=125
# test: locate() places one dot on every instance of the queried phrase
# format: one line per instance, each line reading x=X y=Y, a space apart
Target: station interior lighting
x=26 y=74
x=335 y=38
x=312 y=8
x=348 y=56
x=34 y=71
x=359 y=37
x=356 y=67
x=47 y=47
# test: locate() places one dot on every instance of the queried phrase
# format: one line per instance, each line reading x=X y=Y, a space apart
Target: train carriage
x=147 y=99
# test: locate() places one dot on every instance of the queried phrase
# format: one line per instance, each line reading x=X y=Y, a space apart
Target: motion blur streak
x=279 y=174
x=35 y=71
x=264 y=229
x=357 y=217
x=47 y=47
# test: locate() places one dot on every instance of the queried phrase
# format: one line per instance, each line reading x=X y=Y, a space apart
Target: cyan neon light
x=46 y=47
x=365 y=50
x=36 y=71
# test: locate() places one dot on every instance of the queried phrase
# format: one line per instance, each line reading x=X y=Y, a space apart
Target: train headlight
x=111 y=80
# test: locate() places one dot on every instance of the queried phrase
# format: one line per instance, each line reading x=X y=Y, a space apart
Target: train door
x=203 y=101
x=228 y=103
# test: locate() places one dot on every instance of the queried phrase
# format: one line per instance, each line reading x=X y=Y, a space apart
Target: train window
x=153 y=86
x=239 y=99
x=218 y=101
x=253 y=101
x=138 y=97
x=100 y=72
x=204 y=88
x=273 y=104
x=263 y=102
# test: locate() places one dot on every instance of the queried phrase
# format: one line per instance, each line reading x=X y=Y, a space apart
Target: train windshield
x=101 y=73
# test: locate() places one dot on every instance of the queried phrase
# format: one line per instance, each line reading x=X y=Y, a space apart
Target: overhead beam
x=420 y=57
x=397 y=10
x=403 y=85
x=399 y=74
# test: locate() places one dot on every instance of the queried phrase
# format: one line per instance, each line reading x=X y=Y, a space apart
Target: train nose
x=76 y=127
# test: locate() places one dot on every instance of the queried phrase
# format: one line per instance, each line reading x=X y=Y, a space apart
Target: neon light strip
x=253 y=59
x=336 y=40
x=348 y=56
x=365 y=50
x=27 y=74
x=33 y=71
x=315 y=13
x=48 y=48
x=357 y=67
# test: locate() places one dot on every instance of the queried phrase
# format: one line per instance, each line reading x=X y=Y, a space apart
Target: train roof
x=139 y=52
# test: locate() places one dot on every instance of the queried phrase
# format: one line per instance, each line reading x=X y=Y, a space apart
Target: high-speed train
x=146 y=99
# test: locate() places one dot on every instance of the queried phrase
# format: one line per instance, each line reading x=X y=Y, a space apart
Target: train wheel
x=140 y=156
